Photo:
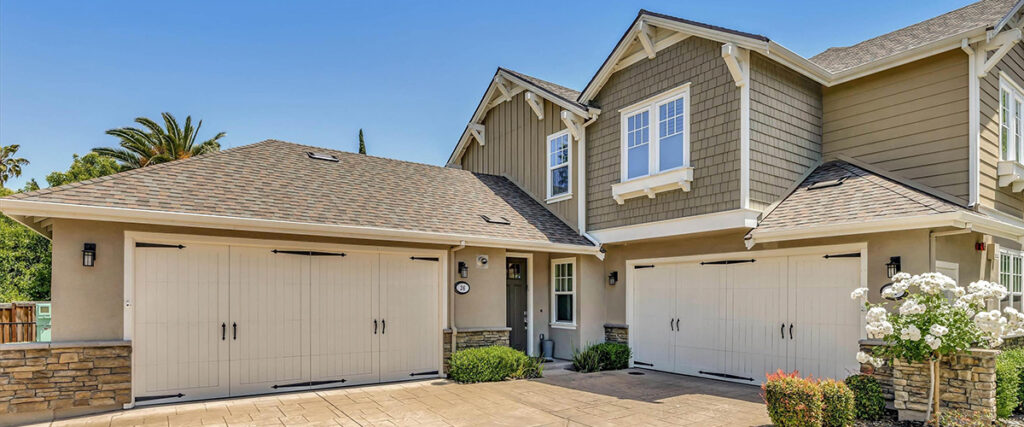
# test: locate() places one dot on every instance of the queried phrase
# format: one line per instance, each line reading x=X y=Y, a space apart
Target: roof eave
x=906 y=57
x=16 y=208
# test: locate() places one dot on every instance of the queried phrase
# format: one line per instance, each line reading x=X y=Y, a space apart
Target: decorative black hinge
x=164 y=396
x=637 y=267
x=729 y=376
x=423 y=373
x=851 y=255
x=306 y=384
x=308 y=253
x=642 y=363
x=157 y=245
x=727 y=262
x=420 y=258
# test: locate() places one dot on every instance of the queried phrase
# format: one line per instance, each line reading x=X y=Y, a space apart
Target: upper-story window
x=1011 y=99
x=655 y=134
x=559 y=167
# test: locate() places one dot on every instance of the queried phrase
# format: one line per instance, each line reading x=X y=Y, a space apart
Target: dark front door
x=515 y=302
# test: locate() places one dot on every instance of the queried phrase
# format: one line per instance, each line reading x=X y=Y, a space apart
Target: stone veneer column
x=616 y=333
x=41 y=381
x=474 y=338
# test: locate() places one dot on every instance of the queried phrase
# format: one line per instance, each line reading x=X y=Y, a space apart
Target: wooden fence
x=17 y=322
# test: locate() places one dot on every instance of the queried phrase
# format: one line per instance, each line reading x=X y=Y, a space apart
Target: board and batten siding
x=517 y=149
x=714 y=136
x=785 y=129
x=910 y=120
x=989 y=193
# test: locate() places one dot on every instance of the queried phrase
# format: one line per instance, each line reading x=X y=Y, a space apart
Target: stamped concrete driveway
x=562 y=399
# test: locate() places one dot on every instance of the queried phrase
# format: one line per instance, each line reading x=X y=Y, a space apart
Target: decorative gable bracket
x=477 y=130
x=738 y=61
x=536 y=104
x=1001 y=44
x=574 y=123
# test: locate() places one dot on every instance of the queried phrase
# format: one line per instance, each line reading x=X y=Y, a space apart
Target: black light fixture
x=463 y=270
x=892 y=267
x=89 y=255
x=613 y=278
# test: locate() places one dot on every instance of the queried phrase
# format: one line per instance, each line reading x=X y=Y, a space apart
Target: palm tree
x=10 y=166
x=155 y=144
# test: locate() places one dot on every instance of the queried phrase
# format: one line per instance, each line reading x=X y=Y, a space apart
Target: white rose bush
x=934 y=318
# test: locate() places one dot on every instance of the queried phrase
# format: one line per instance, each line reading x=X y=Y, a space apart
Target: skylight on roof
x=321 y=156
x=501 y=221
x=826 y=184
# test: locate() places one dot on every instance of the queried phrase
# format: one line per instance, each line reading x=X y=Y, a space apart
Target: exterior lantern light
x=463 y=270
x=613 y=278
x=892 y=267
x=89 y=255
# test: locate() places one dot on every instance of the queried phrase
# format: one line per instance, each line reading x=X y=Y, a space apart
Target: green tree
x=24 y=262
x=154 y=144
x=10 y=166
x=362 y=144
x=85 y=167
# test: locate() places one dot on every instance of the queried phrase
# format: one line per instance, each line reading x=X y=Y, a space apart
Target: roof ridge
x=349 y=153
x=536 y=78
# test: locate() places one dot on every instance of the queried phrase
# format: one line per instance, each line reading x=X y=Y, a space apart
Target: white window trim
x=1012 y=253
x=554 y=299
x=651 y=105
x=552 y=198
x=1016 y=94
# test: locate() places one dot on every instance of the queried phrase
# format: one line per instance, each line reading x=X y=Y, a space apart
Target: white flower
x=901 y=276
x=876 y=314
x=938 y=330
x=863 y=357
x=933 y=342
x=879 y=329
x=912 y=307
x=910 y=333
x=859 y=294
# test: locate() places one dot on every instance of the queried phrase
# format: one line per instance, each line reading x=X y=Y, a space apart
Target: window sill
x=559 y=325
x=653 y=184
x=558 y=198
x=1011 y=173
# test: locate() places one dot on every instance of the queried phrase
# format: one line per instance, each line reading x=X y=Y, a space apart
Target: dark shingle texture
x=984 y=13
x=862 y=197
x=566 y=94
x=275 y=180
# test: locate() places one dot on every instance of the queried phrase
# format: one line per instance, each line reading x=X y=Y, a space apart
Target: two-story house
x=709 y=197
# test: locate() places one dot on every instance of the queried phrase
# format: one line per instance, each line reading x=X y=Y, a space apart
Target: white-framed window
x=559 y=166
x=1011 y=135
x=656 y=134
x=563 y=292
x=1010 y=275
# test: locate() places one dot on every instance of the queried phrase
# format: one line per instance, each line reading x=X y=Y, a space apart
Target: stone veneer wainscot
x=474 y=338
x=42 y=381
x=616 y=333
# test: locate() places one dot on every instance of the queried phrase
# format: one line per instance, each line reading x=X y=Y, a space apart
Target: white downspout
x=973 y=120
x=451 y=294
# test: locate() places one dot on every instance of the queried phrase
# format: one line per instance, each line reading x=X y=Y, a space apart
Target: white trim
x=973 y=221
x=551 y=198
x=974 y=124
x=530 y=350
x=141 y=216
x=555 y=323
x=650 y=105
x=738 y=61
x=131 y=237
x=651 y=185
x=861 y=247
x=726 y=220
x=536 y=103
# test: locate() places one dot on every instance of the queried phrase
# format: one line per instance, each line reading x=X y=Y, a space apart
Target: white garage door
x=738 y=319
x=222 y=320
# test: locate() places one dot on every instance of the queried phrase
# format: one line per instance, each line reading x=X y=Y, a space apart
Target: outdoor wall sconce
x=892 y=267
x=463 y=270
x=89 y=255
x=613 y=278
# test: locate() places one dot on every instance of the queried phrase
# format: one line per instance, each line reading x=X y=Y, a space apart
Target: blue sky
x=408 y=73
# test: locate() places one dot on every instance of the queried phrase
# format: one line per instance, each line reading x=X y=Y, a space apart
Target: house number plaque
x=461 y=287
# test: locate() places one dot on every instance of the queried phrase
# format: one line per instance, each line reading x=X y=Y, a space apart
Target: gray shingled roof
x=566 y=94
x=863 y=196
x=275 y=180
x=983 y=14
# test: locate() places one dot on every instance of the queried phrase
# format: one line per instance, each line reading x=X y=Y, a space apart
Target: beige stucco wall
x=478 y=308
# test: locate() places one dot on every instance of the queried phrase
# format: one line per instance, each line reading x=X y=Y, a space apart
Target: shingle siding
x=989 y=192
x=714 y=136
x=785 y=129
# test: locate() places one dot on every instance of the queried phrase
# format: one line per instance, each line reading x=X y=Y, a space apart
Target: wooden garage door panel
x=343 y=307
x=702 y=307
x=409 y=304
x=180 y=303
x=270 y=304
x=826 y=326
x=757 y=306
x=654 y=303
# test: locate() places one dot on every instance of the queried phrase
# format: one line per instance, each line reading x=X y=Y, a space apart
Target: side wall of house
x=990 y=194
x=517 y=148
x=714 y=136
x=785 y=129
x=910 y=120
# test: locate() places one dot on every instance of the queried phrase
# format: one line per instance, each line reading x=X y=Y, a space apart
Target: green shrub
x=1009 y=382
x=495 y=363
x=586 y=361
x=869 y=403
x=612 y=356
x=837 y=403
x=792 y=401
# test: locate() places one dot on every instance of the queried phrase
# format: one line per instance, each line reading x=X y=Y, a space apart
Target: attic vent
x=502 y=221
x=826 y=184
x=321 y=156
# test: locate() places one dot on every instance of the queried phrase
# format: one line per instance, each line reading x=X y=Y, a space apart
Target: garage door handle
x=223 y=331
x=234 y=331
x=383 y=327
x=790 y=331
x=677 y=324
x=670 y=324
x=375 y=326
x=782 y=330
